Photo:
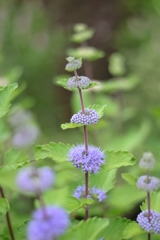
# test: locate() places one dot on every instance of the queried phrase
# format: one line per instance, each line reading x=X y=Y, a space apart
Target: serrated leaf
x=104 y=180
x=14 y=159
x=5 y=97
x=131 y=230
x=86 y=53
x=116 y=159
x=98 y=108
x=4 y=206
x=154 y=202
x=114 y=231
x=72 y=204
x=21 y=229
x=130 y=178
x=55 y=151
x=88 y=230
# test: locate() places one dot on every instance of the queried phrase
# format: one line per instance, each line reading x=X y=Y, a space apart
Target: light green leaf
x=155 y=202
x=116 y=159
x=14 y=159
x=104 y=180
x=130 y=178
x=4 y=206
x=21 y=229
x=14 y=74
x=82 y=36
x=55 y=151
x=131 y=230
x=88 y=230
x=98 y=108
x=117 y=64
x=5 y=98
x=86 y=53
x=72 y=204
x=79 y=27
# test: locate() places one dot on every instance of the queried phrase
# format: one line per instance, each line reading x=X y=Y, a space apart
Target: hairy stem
x=86 y=147
x=8 y=217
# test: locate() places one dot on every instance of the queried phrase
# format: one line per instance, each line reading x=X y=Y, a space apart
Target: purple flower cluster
x=93 y=193
x=148 y=183
x=73 y=64
x=147 y=161
x=90 y=116
x=35 y=180
x=82 y=82
x=47 y=223
x=90 y=162
x=152 y=224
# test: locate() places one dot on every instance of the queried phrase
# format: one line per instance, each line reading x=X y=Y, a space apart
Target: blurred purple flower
x=35 y=180
x=25 y=136
x=90 y=162
x=47 y=223
x=83 y=82
x=19 y=117
x=90 y=116
x=148 y=183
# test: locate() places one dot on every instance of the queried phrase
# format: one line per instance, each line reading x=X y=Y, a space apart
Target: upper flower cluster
x=90 y=116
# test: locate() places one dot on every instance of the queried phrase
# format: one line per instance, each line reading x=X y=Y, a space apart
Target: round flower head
x=83 y=82
x=47 y=223
x=152 y=224
x=34 y=180
x=93 y=193
x=147 y=161
x=73 y=64
x=90 y=116
x=90 y=162
x=25 y=136
x=148 y=183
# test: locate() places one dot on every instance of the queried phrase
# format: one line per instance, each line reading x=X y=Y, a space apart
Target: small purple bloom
x=90 y=116
x=35 y=180
x=82 y=82
x=47 y=223
x=93 y=193
x=90 y=162
x=148 y=183
x=152 y=224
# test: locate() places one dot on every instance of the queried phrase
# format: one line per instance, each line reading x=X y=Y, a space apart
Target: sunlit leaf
x=130 y=178
x=72 y=204
x=131 y=230
x=5 y=98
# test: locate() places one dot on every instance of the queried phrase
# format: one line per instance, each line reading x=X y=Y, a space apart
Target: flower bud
x=147 y=161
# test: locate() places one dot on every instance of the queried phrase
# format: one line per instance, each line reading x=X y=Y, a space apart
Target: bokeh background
x=35 y=39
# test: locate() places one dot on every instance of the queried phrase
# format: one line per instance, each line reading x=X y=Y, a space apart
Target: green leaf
x=4 y=237
x=98 y=108
x=14 y=159
x=154 y=200
x=4 y=206
x=114 y=231
x=88 y=230
x=72 y=204
x=82 y=36
x=117 y=64
x=131 y=230
x=79 y=27
x=104 y=180
x=130 y=178
x=14 y=74
x=116 y=159
x=21 y=229
x=86 y=53
x=5 y=98
x=55 y=151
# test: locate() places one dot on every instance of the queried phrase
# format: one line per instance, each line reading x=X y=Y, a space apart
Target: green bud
x=73 y=64
x=147 y=161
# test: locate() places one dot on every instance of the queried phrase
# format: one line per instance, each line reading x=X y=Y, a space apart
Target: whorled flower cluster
x=73 y=64
x=151 y=224
x=93 y=193
x=147 y=161
x=47 y=223
x=88 y=162
x=35 y=180
x=82 y=82
x=90 y=116
x=148 y=183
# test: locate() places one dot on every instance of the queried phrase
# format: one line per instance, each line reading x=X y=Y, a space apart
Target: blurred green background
x=35 y=38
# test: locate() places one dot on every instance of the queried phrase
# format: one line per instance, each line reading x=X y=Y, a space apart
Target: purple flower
x=93 y=193
x=25 y=136
x=148 y=183
x=147 y=161
x=89 y=117
x=82 y=82
x=90 y=162
x=47 y=223
x=152 y=224
x=35 y=180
